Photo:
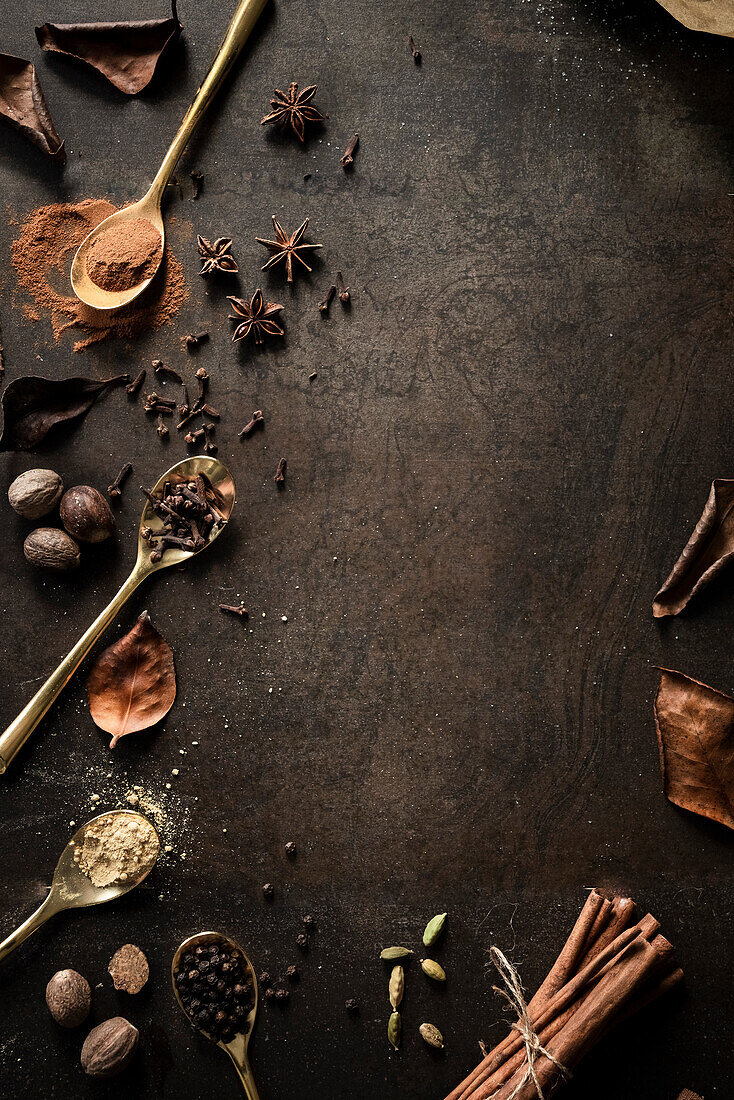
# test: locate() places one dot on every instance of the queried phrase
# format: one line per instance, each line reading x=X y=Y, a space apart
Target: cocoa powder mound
x=42 y=255
x=125 y=255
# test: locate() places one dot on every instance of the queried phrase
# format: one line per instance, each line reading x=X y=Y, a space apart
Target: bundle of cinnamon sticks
x=610 y=966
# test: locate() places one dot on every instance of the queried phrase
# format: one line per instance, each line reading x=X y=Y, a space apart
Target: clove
x=197 y=178
x=160 y=368
x=193 y=437
x=347 y=159
x=344 y=295
x=114 y=491
x=203 y=380
x=257 y=418
x=324 y=305
x=417 y=57
x=235 y=610
x=280 y=472
x=210 y=446
x=195 y=338
x=133 y=387
x=162 y=428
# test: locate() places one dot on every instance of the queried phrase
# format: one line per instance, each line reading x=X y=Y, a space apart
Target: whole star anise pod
x=287 y=248
x=294 y=107
x=217 y=255
x=254 y=317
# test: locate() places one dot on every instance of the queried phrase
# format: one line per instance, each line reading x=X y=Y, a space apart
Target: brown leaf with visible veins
x=132 y=684
x=126 y=53
x=709 y=549
x=32 y=406
x=695 y=726
x=714 y=16
x=23 y=105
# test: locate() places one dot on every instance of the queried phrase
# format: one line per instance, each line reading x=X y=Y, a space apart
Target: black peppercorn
x=352 y=1005
x=302 y=941
x=309 y=921
x=290 y=849
x=268 y=890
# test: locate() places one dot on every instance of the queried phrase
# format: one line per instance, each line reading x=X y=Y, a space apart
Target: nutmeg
x=69 y=998
x=49 y=548
x=109 y=1047
x=35 y=493
x=86 y=515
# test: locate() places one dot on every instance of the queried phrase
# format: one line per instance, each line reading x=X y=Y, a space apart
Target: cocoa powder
x=42 y=255
x=125 y=255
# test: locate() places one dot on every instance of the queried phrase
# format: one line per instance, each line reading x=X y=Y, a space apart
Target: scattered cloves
x=344 y=295
x=133 y=387
x=235 y=609
x=280 y=472
x=324 y=305
x=347 y=159
x=257 y=419
x=114 y=491
x=194 y=339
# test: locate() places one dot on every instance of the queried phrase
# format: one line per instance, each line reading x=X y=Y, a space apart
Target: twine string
x=514 y=994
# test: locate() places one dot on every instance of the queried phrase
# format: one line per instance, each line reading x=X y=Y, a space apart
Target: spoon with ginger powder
x=72 y=888
x=146 y=213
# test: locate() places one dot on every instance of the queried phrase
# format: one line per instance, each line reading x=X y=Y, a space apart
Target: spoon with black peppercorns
x=185 y=511
x=214 y=983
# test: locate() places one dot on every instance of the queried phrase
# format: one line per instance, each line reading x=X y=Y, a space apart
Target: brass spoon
x=236 y=1048
x=71 y=888
x=221 y=481
x=149 y=207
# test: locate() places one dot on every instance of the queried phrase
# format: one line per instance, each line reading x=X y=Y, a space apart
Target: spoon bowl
x=217 y=478
x=236 y=1048
x=71 y=888
x=149 y=209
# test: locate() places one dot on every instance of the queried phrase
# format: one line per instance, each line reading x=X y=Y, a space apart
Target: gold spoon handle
x=45 y=910
x=20 y=730
x=245 y=1075
x=237 y=34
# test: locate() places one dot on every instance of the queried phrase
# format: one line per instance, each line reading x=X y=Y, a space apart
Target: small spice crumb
x=265 y=980
x=269 y=994
x=352 y=1005
x=268 y=890
x=282 y=996
x=290 y=848
x=311 y=376
x=292 y=974
x=309 y=921
x=302 y=941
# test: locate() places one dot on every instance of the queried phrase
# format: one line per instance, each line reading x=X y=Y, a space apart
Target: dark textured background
x=510 y=438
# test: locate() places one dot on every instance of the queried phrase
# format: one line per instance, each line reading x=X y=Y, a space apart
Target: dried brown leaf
x=132 y=684
x=126 y=53
x=709 y=549
x=695 y=727
x=32 y=406
x=23 y=105
x=713 y=16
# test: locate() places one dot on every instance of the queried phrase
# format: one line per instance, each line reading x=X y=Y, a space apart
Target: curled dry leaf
x=33 y=406
x=695 y=727
x=132 y=684
x=714 y=16
x=23 y=105
x=126 y=53
x=709 y=549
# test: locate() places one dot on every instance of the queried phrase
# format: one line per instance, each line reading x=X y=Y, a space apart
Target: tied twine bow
x=513 y=994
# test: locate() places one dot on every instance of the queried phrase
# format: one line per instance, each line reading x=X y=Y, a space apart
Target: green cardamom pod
x=433 y=970
x=394 y=1028
x=434 y=928
x=397 y=985
x=432 y=1035
x=390 y=953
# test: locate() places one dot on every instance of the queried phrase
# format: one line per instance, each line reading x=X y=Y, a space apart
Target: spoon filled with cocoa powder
x=117 y=261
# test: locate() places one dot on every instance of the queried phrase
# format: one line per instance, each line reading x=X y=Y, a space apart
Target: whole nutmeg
x=69 y=998
x=109 y=1047
x=35 y=493
x=49 y=548
x=86 y=514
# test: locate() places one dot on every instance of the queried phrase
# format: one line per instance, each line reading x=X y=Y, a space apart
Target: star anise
x=217 y=255
x=254 y=317
x=294 y=107
x=287 y=248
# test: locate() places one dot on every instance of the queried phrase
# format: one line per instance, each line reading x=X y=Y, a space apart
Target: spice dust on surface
x=42 y=256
